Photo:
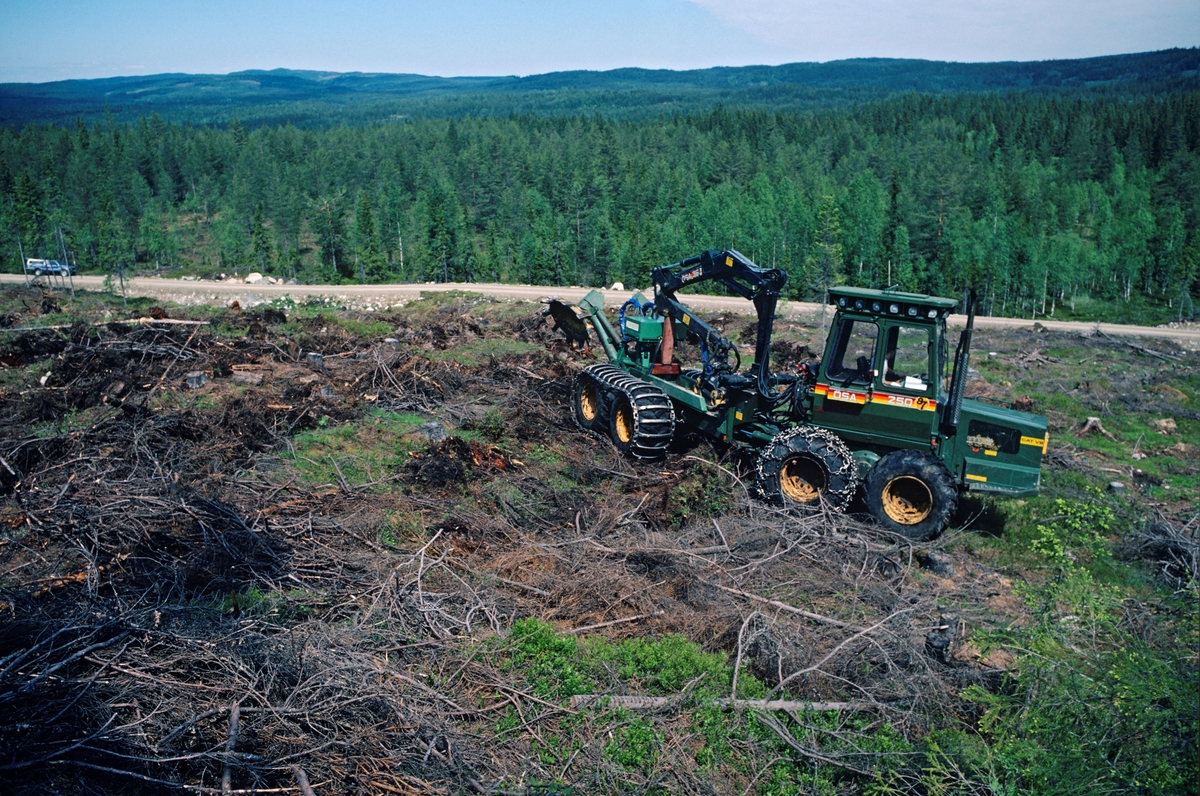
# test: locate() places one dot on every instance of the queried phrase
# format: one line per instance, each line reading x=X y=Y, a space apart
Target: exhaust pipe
x=958 y=377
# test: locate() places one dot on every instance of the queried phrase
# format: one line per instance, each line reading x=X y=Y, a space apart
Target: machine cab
x=881 y=377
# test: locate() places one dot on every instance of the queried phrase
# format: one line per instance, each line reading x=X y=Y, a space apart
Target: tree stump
x=1093 y=425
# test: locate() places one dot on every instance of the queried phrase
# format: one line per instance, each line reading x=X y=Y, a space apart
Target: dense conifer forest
x=1036 y=200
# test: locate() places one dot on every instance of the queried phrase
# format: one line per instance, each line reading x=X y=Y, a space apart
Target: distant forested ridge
x=1033 y=199
x=318 y=99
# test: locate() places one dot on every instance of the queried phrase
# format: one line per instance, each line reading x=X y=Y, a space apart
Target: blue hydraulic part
x=645 y=308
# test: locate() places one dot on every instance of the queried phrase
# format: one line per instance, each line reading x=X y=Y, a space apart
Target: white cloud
x=964 y=30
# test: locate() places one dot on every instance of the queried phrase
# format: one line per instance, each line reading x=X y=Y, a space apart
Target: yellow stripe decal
x=918 y=402
x=973 y=477
x=1037 y=442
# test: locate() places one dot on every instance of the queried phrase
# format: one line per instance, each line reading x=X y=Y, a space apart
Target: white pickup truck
x=40 y=267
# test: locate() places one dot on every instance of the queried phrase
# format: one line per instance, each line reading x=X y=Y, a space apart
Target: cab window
x=852 y=360
x=906 y=359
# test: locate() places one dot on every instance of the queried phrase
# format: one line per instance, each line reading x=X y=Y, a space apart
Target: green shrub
x=1093 y=705
x=634 y=744
x=551 y=662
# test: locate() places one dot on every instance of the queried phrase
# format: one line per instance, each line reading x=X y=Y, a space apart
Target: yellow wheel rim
x=802 y=480
x=623 y=422
x=907 y=500
x=589 y=402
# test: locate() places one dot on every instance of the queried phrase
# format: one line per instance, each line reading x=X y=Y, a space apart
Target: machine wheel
x=37 y=273
x=621 y=423
x=588 y=403
x=638 y=416
x=911 y=493
x=807 y=467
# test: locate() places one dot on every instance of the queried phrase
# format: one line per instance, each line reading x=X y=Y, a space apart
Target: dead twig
x=302 y=781
x=610 y=623
x=230 y=742
x=785 y=607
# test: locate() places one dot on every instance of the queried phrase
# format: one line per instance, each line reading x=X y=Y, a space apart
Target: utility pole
x=121 y=278
x=62 y=242
x=21 y=252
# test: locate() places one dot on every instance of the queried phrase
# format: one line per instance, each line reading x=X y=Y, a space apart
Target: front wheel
x=911 y=493
x=807 y=467
x=622 y=424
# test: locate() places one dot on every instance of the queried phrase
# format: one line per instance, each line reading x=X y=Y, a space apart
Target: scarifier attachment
x=567 y=320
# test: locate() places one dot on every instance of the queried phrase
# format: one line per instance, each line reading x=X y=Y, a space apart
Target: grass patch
x=38 y=307
x=365 y=328
x=703 y=491
x=1100 y=698
x=399 y=528
x=556 y=667
x=483 y=350
x=364 y=451
x=280 y=607
x=72 y=421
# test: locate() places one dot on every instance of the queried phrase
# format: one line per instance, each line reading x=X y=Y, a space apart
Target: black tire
x=641 y=420
x=807 y=467
x=911 y=493
x=588 y=403
x=37 y=273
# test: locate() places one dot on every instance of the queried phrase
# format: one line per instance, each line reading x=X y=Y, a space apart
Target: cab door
x=878 y=383
x=906 y=386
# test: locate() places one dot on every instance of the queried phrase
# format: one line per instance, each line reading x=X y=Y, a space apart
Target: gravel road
x=383 y=296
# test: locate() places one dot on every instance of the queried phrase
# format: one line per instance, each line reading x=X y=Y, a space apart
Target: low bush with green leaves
x=1101 y=700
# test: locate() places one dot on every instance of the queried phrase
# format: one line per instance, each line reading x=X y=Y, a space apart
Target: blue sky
x=61 y=39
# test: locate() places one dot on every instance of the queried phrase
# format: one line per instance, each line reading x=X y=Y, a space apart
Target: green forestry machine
x=876 y=410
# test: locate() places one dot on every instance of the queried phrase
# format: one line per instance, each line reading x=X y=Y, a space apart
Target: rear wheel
x=911 y=493
x=588 y=403
x=38 y=272
x=636 y=415
x=807 y=467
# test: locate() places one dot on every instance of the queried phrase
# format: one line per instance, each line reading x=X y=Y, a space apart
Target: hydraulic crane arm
x=736 y=272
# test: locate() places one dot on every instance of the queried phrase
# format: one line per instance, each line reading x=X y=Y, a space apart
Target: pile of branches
x=1173 y=551
x=133 y=656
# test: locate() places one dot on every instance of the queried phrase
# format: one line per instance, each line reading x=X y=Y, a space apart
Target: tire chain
x=653 y=412
x=816 y=438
